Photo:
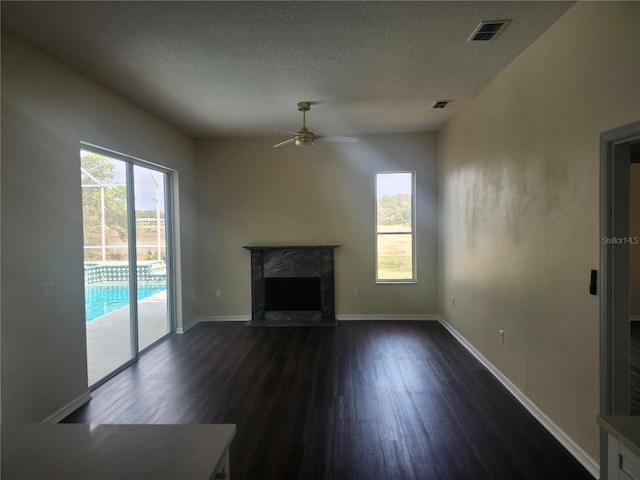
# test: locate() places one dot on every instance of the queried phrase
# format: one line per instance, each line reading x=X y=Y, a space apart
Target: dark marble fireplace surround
x=303 y=272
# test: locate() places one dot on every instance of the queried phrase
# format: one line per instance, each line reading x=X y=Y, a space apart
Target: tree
x=394 y=209
x=148 y=213
x=96 y=173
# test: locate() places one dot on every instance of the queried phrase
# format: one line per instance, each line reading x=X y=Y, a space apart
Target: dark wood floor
x=635 y=368
x=361 y=401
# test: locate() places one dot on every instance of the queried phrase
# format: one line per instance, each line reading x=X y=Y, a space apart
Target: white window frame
x=414 y=273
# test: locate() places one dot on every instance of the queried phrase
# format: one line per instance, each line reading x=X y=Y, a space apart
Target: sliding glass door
x=151 y=255
x=125 y=224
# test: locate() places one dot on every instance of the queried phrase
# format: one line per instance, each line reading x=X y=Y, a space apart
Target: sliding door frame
x=171 y=252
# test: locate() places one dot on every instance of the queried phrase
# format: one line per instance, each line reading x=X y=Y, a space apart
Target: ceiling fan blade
x=286 y=142
x=333 y=138
x=285 y=131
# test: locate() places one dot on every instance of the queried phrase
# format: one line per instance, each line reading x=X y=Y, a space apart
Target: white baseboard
x=352 y=317
x=567 y=442
x=188 y=326
x=635 y=318
x=68 y=409
x=224 y=318
x=383 y=316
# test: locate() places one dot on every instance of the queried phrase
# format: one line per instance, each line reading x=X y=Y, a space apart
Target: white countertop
x=625 y=428
x=123 y=452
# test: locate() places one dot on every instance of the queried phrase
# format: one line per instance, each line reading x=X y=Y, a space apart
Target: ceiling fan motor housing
x=304 y=139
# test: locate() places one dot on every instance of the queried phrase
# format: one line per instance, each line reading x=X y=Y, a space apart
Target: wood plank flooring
x=365 y=400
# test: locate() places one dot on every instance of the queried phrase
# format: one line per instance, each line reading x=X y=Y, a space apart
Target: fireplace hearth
x=292 y=285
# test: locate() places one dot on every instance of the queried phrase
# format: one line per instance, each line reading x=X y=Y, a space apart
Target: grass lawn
x=395 y=257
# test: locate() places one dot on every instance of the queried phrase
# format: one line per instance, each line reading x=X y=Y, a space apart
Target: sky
x=393 y=183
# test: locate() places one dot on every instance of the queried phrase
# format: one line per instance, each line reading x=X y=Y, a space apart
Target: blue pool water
x=100 y=299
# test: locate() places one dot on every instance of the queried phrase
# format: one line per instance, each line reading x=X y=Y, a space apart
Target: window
x=395 y=238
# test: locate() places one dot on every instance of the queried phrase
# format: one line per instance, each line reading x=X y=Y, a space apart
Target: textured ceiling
x=238 y=68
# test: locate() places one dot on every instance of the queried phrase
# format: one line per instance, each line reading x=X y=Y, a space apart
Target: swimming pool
x=100 y=299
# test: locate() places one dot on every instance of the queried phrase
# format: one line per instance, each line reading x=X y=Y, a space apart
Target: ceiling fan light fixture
x=304 y=140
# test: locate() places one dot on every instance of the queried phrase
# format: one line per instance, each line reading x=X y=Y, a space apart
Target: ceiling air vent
x=488 y=30
x=441 y=103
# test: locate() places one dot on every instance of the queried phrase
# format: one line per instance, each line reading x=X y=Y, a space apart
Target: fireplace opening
x=291 y=294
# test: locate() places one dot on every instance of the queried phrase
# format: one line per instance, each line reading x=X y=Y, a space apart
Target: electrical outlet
x=501 y=332
x=356 y=292
x=218 y=292
x=453 y=301
x=47 y=289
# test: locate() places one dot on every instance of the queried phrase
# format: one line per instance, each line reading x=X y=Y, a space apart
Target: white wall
x=47 y=110
x=251 y=193
x=519 y=173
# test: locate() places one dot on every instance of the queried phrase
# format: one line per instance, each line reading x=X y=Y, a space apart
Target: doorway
x=619 y=288
x=634 y=277
x=126 y=228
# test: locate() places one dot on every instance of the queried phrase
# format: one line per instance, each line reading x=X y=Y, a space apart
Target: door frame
x=170 y=206
x=615 y=160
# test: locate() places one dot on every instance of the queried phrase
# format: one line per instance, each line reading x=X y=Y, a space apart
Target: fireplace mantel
x=288 y=264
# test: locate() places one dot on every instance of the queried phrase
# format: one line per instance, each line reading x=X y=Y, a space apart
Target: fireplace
x=292 y=294
x=292 y=285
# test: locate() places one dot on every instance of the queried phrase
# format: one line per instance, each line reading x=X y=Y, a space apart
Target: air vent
x=441 y=103
x=488 y=31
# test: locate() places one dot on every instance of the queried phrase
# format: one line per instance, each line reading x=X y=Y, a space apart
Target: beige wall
x=251 y=193
x=634 y=249
x=47 y=110
x=519 y=208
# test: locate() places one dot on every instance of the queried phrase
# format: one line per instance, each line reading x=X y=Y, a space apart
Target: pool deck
x=109 y=337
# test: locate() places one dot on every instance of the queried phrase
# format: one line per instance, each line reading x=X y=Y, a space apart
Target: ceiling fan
x=305 y=138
